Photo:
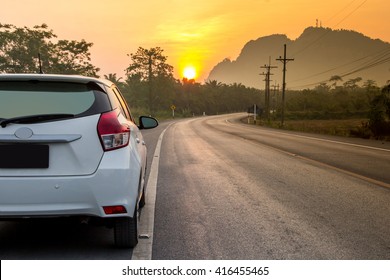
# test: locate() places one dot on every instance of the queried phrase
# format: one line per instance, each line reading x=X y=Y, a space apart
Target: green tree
x=379 y=122
x=370 y=86
x=334 y=79
x=149 y=63
x=72 y=57
x=20 y=46
x=322 y=88
x=150 y=66
x=352 y=84
x=213 y=84
x=113 y=78
x=135 y=91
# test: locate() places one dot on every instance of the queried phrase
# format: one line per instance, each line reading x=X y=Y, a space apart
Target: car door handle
x=137 y=139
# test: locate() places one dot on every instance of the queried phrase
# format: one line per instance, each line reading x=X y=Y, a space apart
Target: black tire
x=142 y=201
x=126 y=232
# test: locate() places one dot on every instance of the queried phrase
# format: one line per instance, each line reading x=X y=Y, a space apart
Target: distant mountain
x=318 y=53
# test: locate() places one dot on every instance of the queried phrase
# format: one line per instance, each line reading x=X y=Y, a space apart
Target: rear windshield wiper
x=35 y=118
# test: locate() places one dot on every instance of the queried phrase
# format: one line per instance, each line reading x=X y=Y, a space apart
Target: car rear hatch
x=49 y=128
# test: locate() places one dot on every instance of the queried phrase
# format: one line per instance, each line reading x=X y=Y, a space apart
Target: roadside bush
x=379 y=122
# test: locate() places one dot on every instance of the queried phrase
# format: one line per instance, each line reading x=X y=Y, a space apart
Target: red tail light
x=113 y=135
x=117 y=209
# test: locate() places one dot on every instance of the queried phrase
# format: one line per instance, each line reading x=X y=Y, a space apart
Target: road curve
x=366 y=159
x=230 y=191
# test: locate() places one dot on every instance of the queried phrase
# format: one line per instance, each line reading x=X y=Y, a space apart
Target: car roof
x=54 y=78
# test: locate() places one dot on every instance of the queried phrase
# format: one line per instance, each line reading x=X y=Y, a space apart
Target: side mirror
x=147 y=122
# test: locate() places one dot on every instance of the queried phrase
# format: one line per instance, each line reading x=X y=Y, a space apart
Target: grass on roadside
x=346 y=128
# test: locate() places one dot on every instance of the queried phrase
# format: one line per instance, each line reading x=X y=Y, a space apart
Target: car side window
x=123 y=105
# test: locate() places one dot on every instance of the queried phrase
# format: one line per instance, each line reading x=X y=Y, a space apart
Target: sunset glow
x=189 y=73
x=203 y=33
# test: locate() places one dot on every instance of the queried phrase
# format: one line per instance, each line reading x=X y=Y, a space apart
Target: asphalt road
x=232 y=191
x=226 y=190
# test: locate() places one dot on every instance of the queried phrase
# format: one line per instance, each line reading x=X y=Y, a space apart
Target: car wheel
x=126 y=232
x=142 y=201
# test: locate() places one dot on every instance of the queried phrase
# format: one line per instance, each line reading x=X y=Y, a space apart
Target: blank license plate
x=24 y=156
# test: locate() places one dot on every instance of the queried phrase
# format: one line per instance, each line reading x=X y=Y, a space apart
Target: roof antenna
x=40 y=63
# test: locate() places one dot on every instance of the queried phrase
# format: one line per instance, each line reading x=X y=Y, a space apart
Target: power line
x=344 y=75
x=385 y=58
x=365 y=66
x=347 y=16
x=329 y=30
x=370 y=64
x=373 y=63
x=383 y=52
x=342 y=10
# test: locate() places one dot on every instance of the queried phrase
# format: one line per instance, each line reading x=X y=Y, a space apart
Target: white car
x=69 y=147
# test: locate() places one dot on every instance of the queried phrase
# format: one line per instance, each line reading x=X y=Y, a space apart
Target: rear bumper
x=23 y=197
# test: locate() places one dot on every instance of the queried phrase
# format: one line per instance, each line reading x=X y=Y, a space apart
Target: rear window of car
x=25 y=98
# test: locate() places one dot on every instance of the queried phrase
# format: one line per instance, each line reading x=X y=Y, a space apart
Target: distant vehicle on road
x=70 y=147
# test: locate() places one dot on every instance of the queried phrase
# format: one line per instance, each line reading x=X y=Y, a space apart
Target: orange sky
x=200 y=33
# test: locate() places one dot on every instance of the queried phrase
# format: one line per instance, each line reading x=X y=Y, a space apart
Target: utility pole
x=267 y=88
x=265 y=91
x=275 y=101
x=284 y=60
x=150 y=75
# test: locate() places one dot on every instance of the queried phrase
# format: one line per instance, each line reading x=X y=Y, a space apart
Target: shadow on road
x=57 y=239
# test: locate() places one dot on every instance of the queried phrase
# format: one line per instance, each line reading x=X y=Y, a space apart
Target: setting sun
x=189 y=72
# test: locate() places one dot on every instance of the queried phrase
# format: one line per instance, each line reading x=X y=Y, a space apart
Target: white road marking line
x=339 y=142
x=319 y=139
x=143 y=251
x=350 y=173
